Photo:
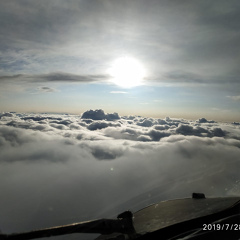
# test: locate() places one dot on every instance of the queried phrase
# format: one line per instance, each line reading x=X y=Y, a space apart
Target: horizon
x=123 y=115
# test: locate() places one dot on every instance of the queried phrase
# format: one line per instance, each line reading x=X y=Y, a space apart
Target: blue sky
x=55 y=56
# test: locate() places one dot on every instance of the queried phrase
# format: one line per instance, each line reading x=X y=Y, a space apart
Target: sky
x=56 y=56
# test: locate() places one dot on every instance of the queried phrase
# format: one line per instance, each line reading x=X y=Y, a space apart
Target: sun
x=127 y=72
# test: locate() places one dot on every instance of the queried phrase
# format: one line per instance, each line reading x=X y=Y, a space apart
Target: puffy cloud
x=63 y=122
x=204 y=120
x=102 y=124
x=156 y=135
x=144 y=138
x=145 y=123
x=60 y=171
x=218 y=132
x=162 y=122
x=112 y=116
x=94 y=115
x=7 y=114
x=161 y=127
x=100 y=115
x=190 y=130
x=104 y=150
x=200 y=131
x=58 y=126
x=40 y=118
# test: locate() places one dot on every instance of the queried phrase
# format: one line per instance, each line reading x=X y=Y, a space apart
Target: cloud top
x=71 y=168
x=99 y=115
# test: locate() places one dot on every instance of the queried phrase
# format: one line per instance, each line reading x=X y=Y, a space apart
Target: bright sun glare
x=127 y=72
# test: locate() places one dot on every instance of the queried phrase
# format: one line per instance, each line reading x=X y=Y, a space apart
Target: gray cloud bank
x=59 y=169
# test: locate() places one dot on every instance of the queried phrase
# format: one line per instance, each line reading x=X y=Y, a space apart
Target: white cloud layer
x=59 y=169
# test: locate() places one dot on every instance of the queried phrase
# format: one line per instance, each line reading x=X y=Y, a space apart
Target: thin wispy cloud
x=54 y=77
x=235 y=98
x=118 y=92
x=46 y=89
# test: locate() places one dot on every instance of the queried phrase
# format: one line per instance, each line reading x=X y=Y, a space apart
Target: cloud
x=71 y=77
x=204 y=120
x=114 y=126
x=62 y=171
x=145 y=123
x=7 y=114
x=118 y=92
x=30 y=43
x=157 y=135
x=104 y=150
x=94 y=115
x=189 y=130
x=99 y=115
x=53 y=77
x=200 y=131
x=218 y=132
x=183 y=77
x=46 y=89
x=102 y=124
x=235 y=98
